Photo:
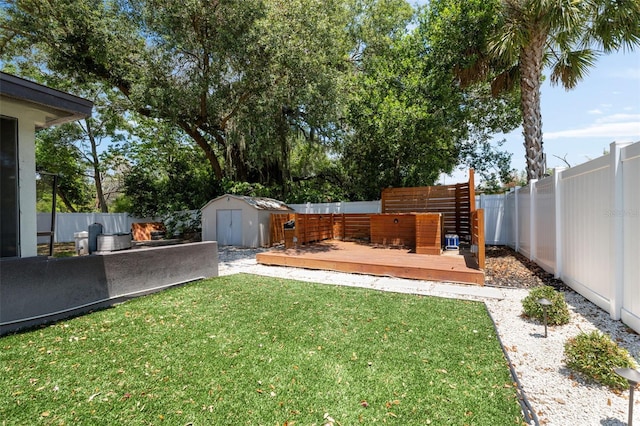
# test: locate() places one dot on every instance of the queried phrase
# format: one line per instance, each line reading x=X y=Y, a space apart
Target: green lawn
x=252 y=350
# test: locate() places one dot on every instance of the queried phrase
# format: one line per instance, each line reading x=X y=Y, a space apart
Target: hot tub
x=114 y=242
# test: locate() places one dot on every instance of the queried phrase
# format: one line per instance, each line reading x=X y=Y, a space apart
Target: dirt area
x=506 y=268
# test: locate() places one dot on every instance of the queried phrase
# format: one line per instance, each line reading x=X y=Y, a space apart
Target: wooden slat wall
x=276 y=228
x=428 y=233
x=313 y=227
x=454 y=202
x=477 y=236
x=352 y=226
x=394 y=230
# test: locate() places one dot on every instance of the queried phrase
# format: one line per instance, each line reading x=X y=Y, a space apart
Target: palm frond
x=615 y=25
x=572 y=67
x=506 y=81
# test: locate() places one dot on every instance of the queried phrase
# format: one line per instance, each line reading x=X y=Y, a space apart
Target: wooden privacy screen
x=277 y=226
x=454 y=202
x=477 y=235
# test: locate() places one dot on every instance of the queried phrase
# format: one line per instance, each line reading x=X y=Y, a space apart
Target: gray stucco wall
x=37 y=290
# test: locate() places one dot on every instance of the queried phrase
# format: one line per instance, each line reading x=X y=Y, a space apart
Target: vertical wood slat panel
x=276 y=228
x=477 y=236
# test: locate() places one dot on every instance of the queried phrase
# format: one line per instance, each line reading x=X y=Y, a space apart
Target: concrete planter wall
x=37 y=290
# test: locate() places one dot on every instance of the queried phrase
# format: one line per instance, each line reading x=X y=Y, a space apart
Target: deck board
x=353 y=257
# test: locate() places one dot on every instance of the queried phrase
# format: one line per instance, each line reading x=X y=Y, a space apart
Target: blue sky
x=581 y=123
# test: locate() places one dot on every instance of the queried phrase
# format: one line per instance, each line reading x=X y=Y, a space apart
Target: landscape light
x=545 y=304
x=633 y=377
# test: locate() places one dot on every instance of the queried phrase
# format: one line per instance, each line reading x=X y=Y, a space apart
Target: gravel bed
x=558 y=396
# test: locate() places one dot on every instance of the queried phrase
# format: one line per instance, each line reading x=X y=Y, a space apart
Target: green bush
x=595 y=356
x=557 y=313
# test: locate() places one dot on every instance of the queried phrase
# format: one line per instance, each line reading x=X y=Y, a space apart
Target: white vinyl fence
x=340 y=207
x=69 y=223
x=583 y=225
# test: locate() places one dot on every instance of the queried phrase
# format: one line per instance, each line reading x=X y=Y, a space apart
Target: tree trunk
x=202 y=143
x=97 y=177
x=530 y=74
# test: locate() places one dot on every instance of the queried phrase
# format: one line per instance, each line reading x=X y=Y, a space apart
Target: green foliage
x=56 y=153
x=557 y=313
x=163 y=173
x=595 y=356
x=410 y=119
x=241 y=349
x=182 y=223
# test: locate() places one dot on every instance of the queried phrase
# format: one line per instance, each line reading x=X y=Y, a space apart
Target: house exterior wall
x=27 y=118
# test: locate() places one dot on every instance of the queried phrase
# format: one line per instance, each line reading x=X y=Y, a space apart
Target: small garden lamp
x=633 y=377
x=545 y=304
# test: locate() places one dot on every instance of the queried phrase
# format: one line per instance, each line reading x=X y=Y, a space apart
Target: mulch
x=505 y=267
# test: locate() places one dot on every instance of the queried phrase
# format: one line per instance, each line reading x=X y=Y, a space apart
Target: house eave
x=61 y=107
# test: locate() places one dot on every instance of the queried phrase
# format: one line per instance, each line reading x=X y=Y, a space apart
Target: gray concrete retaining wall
x=37 y=290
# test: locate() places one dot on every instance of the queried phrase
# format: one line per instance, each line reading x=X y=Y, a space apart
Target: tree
x=201 y=65
x=57 y=154
x=566 y=36
x=163 y=172
x=410 y=118
x=79 y=141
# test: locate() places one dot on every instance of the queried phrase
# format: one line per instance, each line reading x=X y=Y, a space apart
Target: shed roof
x=259 y=203
x=61 y=107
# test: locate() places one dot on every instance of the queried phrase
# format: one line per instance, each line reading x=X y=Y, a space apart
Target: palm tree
x=565 y=35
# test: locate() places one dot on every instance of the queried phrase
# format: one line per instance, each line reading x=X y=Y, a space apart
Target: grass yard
x=249 y=350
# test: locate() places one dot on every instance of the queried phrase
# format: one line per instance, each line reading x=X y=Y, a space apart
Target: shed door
x=229 y=227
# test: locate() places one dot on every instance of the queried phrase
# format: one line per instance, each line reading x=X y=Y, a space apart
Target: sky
x=580 y=124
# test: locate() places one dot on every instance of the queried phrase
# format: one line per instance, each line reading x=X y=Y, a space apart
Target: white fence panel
x=586 y=230
x=339 y=207
x=495 y=226
x=545 y=224
x=630 y=157
x=69 y=223
x=510 y=222
x=523 y=216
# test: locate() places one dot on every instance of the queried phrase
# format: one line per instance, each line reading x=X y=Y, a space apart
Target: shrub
x=595 y=356
x=557 y=313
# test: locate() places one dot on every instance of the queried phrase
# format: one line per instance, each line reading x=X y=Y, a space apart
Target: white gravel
x=558 y=397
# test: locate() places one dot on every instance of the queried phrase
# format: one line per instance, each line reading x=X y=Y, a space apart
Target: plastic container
x=94 y=230
x=82 y=242
x=451 y=242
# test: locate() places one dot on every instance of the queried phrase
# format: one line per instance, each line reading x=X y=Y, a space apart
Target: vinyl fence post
x=559 y=226
x=616 y=217
x=532 y=219
x=516 y=219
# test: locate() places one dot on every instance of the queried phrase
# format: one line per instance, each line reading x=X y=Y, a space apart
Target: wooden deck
x=335 y=255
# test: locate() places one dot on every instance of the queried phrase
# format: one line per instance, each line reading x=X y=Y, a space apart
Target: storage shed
x=236 y=220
